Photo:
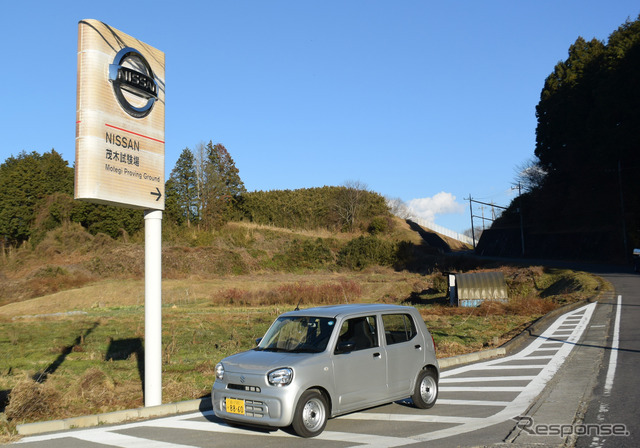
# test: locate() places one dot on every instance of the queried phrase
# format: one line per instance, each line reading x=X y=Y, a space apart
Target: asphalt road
x=505 y=401
x=614 y=406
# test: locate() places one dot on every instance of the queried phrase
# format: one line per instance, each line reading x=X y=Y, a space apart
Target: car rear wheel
x=425 y=393
x=310 y=417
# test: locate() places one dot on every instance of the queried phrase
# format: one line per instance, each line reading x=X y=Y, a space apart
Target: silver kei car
x=321 y=362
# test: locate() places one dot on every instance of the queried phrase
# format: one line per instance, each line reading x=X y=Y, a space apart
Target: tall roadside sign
x=119 y=119
x=120 y=153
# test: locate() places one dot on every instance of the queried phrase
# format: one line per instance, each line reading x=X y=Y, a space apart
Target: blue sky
x=425 y=101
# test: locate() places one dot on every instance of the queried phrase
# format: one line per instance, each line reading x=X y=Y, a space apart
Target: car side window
x=360 y=331
x=398 y=328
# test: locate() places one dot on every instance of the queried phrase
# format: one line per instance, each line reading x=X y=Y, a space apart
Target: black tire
x=425 y=392
x=311 y=414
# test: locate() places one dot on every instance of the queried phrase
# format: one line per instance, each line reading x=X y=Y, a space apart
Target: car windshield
x=298 y=334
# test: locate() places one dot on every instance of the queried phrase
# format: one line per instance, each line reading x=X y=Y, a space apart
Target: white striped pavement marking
x=422 y=418
x=472 y=402
x=530 y=393
x=481 y=389
x=511 y=367
x=528 y=358
x=480 y=379
x=123 y=441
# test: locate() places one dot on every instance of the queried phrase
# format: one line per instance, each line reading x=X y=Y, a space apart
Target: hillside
x=69 y=257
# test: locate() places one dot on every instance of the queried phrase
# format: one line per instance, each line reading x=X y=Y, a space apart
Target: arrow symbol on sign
x=157 y=193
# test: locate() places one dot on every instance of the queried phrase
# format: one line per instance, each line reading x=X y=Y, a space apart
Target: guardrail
x=443 y=231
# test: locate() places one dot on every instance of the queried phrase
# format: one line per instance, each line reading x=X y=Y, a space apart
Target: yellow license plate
x=235 y=406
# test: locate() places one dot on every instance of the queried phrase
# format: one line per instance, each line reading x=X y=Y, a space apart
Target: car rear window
x=398 y=328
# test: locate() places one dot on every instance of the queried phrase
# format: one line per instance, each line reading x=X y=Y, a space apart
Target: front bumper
x=270 y=406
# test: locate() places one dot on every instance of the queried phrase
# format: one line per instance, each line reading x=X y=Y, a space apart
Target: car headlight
x=280 y=377
x=219 y=371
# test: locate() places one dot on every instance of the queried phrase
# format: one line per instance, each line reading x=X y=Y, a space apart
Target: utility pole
x=519 y=187
x=624 y=224
x=473 y=234
x=482 y=204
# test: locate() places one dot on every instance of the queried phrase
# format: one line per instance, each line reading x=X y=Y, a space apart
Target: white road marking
x=598 y=442
x=364 y=440
x=473 y=402
x=123 y=441
x=613 y=359
x=511 y=367
x=481 y=379
x=481 y=389
x=540 y=357
x=530 y=393
x=423 y=418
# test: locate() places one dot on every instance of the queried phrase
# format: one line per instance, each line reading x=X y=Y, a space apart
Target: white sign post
x=153 y=308
x=120 y=153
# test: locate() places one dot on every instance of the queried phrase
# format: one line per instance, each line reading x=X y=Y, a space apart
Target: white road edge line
x=613 y=359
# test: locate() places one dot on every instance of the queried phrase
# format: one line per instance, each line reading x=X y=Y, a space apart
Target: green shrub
x=304 y=254
x=378 y=225
x=365 y=251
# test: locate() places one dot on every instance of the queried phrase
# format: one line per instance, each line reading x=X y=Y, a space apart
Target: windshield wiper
x=307 y=350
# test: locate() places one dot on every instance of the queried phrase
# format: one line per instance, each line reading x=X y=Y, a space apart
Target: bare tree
x=349 y=202
x=530 y=174
x=399 y=208
x=200 y=163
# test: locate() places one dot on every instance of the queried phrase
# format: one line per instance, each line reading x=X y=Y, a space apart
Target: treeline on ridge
x=36 y=196
x=581 y=195
x=341 y=208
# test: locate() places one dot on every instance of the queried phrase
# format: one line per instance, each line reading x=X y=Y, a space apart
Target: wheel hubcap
x=313 y=415
x=428 y=389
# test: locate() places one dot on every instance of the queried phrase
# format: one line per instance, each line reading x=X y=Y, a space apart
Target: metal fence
x=443 y=230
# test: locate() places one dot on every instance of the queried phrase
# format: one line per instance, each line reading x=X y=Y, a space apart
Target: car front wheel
x=425 y=393
x=310 y=417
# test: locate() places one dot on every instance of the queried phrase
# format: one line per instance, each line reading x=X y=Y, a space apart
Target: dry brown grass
x=371 y=285
x=30 y=400
x=528 y=306
x=97 y=389
x=345 y=291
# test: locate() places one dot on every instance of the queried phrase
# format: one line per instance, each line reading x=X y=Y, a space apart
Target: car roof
x=343 y=310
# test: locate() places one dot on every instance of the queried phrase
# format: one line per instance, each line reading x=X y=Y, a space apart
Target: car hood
x=262 y=361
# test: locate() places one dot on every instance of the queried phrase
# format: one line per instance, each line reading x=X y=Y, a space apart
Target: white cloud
x=440 y=204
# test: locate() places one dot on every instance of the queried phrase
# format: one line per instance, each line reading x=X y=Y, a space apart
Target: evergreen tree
x=110 y=220
x=182 y=189
x=587 y=144
x=25 y=182
x=222 y=186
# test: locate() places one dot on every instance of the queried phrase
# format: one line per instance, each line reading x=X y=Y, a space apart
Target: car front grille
x=254 y=408
x=244 y=388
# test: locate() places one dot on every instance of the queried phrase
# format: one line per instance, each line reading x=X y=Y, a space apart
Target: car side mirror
x=258 y=341
x=345 y=347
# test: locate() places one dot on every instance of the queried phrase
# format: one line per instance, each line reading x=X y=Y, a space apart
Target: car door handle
x=417 y=347
x=376 y=355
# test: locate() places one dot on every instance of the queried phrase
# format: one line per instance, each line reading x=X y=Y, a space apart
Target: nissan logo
x=133 y=82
